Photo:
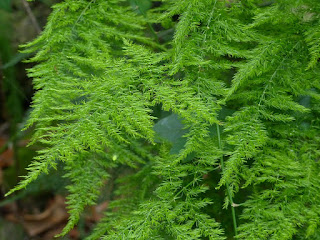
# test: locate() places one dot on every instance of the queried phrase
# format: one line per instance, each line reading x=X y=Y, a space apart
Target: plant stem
x=31 y=16
x=153 y=32
x=227 y=185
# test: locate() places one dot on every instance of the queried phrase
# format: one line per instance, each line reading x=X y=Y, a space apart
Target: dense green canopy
x=214 y=103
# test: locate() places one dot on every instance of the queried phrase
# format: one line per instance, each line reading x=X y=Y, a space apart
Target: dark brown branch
x=31 y=16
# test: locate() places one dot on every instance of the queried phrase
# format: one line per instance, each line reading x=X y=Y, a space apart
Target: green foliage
x=112 y=93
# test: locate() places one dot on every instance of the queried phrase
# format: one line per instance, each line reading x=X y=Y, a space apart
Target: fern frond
x=105 y=79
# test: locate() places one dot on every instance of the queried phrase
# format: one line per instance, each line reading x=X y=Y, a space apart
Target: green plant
x=218 y=110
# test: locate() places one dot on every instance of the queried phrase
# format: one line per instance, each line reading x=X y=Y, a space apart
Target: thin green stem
x=153 y=32
x=227 y=185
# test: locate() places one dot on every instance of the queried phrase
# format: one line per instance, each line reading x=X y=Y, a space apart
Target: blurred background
x=37 y=212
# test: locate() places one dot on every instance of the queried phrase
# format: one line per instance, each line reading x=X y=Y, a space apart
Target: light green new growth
x=239 y=82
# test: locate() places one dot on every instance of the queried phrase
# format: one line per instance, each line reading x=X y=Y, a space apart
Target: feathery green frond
x=190 y=108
